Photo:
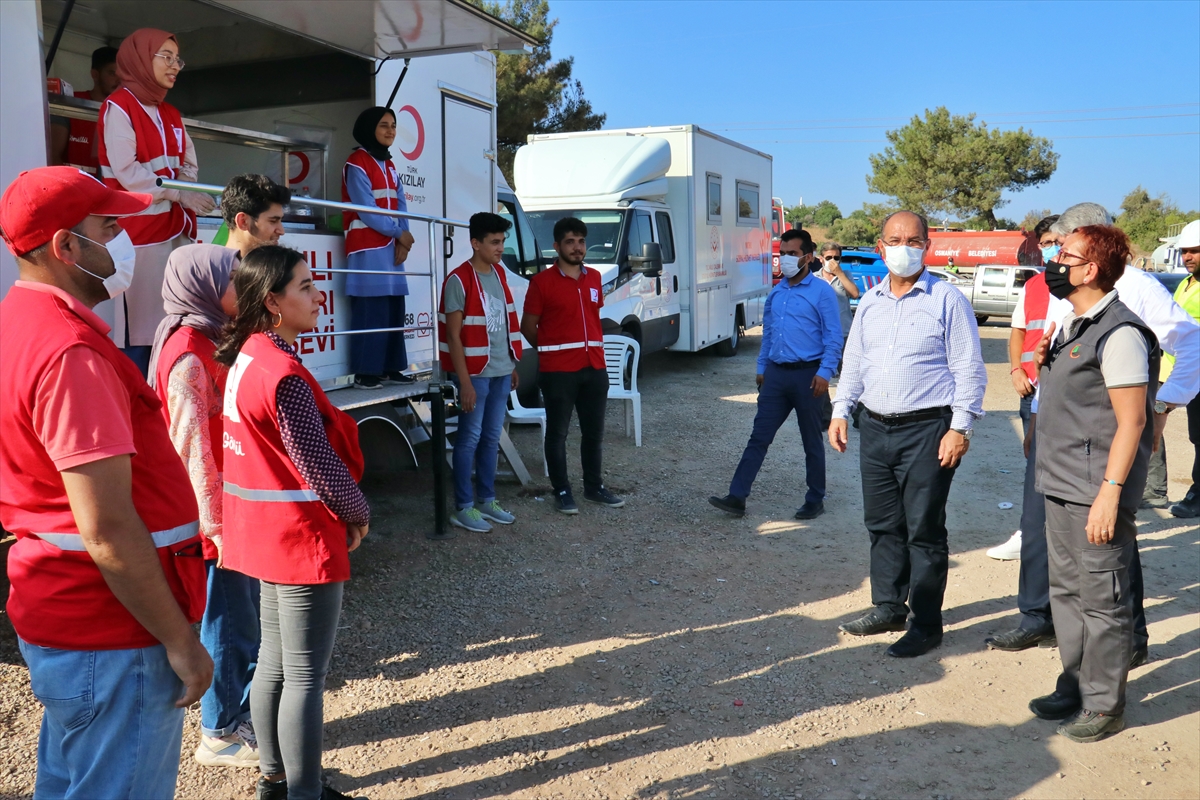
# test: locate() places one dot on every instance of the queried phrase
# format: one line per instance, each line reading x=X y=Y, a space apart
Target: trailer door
x=467 y=168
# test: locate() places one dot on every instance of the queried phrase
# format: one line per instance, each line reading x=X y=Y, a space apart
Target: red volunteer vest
x=474 y=330
x=1037 y=303
x=570 y=337
x=276 y=527
x=385 y=186
x=189 y=340
x=59 y=598
x=81 y=142
x=161 y=152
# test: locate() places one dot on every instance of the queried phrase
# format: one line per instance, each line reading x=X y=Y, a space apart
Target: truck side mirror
x=649 y=262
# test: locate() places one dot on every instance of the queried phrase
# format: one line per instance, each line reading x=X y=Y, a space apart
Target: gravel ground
x=664 y=650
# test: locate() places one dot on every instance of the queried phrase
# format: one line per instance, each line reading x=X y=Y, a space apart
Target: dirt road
x=665 y=650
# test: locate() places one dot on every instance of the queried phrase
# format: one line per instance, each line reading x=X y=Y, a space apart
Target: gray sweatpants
x=287 y=701
x=1092 y=605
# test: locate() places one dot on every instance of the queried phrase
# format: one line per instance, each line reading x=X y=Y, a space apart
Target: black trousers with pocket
x=585 y=392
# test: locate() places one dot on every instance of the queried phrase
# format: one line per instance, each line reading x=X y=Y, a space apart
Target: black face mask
x=1058 y=280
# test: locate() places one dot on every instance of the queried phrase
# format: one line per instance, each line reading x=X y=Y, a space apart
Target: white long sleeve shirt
x=121 y=143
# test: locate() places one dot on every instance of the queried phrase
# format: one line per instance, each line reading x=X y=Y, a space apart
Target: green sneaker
x=495 y=512
x=470 y=519
x=1088 y=726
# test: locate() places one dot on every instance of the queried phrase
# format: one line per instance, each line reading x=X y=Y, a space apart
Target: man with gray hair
x=1177 y=335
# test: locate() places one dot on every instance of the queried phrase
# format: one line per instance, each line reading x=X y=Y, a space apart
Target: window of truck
x=995 y=278
x=1021 y=276
x=519 y=254
x=666 y=236
x=714 y=198
x=639 y=234
x=603 y=236
x=747 y=197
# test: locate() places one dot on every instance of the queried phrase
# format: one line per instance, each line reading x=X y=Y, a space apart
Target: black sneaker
x=810 y=510
x=367 y=382
x=398 y=378
x=1088 y=726
x=603 y=497
x=877 y=620
x=729 y=504
x=564 y=502
x=1188 y=507
x=330 y=793
x=270 y=790
x=1054 y=706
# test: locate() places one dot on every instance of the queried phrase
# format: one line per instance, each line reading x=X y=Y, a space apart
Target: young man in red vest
x=479 y=343
x=107 y=575
x=562 y=320
x=73 y=141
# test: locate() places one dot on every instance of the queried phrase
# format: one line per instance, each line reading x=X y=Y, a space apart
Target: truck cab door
x=1019 y=277
x=991 y=290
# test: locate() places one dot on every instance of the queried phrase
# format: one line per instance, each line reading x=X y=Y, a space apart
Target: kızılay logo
x=419 y=125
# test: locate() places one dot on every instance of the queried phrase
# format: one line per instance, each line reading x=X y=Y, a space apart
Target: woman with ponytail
x=293 y=512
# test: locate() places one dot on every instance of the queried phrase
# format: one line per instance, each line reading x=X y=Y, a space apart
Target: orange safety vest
x=1037 y=303
x=159 y=150
x=385 y=186
x=474 y=330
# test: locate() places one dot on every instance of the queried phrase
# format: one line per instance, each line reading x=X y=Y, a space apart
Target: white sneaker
x=238 y=749
x=1009 y=551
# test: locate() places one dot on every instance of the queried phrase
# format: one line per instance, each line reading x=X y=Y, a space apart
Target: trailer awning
x=387 y=28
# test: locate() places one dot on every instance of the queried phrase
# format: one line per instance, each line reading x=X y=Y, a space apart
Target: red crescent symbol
x=416 y=151
x=304 y=166
x=414 y=34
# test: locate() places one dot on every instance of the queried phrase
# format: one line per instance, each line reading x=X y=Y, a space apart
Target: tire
x=981 y=318
x=728 y=348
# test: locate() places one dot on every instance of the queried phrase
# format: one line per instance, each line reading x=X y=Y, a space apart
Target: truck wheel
x=727 y=348
x=981 y=318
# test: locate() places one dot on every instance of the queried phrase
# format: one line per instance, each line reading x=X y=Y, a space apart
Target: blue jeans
x=111 y=728
x=229 y=631
x=477 y=445
x=782 y=391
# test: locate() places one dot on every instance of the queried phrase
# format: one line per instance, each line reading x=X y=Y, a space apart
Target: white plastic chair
x=619 y=350
x=528 y=416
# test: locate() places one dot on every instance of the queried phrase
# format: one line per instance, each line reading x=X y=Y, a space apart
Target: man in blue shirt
x=801 y=347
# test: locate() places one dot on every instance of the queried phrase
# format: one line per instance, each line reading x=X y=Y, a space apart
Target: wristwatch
x=966 y=434
x=1160 y=407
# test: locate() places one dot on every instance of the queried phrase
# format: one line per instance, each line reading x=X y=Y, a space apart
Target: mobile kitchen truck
x=679 y=226
x=275 y=87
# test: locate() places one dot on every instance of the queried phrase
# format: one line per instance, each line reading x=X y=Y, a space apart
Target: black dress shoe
x=873 y=622
x=1054 y=706
x=1140 y=656
x=810 y=511
x=730 y=504
x=1019 y=639
x=914 y=643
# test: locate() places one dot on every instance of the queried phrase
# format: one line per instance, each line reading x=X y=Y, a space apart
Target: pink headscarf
x=135 y=64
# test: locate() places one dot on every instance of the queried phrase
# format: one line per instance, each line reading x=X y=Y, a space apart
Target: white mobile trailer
x=704 y=200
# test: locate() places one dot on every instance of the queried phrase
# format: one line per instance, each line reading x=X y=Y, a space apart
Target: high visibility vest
x=570 y=336
x=81 y=142
x=160 y=150
x=474 y=334
x=189 y=340
x=385 y=187
x=59 y=598
x=1037 y=303
x=276 y=527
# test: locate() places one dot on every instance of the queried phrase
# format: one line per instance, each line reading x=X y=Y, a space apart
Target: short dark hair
x=806 y=242
x=1043 y=227
x=103 y=56
x=569 y=225
x=485 y=223
x=251 y=194
x=831 y=247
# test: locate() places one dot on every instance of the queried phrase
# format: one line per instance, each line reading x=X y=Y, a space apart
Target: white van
x=678 y=226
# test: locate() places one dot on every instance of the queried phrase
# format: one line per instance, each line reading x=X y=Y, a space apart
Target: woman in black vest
x=1092 y=455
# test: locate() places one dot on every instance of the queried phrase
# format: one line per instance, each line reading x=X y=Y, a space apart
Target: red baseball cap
x=43 y=201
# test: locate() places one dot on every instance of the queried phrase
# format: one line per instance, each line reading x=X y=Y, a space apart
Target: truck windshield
x=603 y=236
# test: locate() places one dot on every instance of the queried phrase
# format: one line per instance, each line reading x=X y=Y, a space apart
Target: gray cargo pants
x=1092 y=605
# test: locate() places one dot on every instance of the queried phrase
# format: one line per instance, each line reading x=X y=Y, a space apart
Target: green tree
x=534 y=93
x=949 y=164
x=1033 y=217
x=822 y=215
x=1145 y=219
x=863 y=227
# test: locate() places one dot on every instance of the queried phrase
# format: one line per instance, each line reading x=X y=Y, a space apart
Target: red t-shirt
x=570 y=336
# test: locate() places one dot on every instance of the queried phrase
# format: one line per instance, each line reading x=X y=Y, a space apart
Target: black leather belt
x=911 y=416
x=798 y=364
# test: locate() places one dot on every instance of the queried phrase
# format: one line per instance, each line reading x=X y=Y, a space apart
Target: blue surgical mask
x=1048 y=253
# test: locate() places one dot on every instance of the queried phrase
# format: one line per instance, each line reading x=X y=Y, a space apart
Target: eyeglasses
x=172 y=61
x=1064 y=254
x=909 y=243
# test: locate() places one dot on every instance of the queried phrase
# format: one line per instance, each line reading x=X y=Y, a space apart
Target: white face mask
x=789 y=266
x=120 y=249
x=903 y=261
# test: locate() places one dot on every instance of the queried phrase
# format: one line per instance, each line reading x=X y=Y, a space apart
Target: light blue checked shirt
x=914 y=352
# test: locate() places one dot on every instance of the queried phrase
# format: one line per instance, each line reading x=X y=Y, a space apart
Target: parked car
x=995 y=289
x=865 y=266
x=1171 y=280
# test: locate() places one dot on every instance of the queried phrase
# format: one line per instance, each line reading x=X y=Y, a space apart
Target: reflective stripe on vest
x=272 y=495
x=74 y=541
x=550 y=348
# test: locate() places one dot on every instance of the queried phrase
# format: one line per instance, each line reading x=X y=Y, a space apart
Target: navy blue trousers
x=377 y=353
x=784 y=391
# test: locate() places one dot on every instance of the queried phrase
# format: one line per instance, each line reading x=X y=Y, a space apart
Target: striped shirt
x=914 y=352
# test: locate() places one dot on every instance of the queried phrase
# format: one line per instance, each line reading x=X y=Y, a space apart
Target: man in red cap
x=107 y=575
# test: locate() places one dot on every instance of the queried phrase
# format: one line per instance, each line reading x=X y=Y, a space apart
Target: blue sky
x=817 y=84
